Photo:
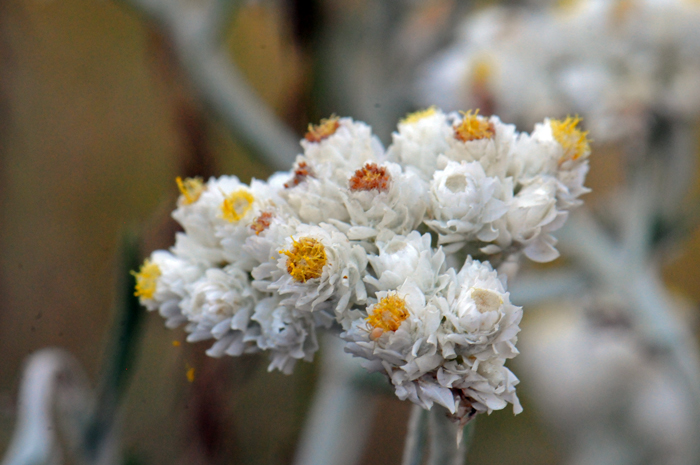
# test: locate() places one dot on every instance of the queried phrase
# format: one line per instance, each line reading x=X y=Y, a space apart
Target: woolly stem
x=339 y=422
x=52 y=379
x=194 y=29
x=415 y=436
x=447 y=445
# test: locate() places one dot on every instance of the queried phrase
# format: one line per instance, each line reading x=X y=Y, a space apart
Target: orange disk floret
x=261 y=223
x=388 y=313
x=574 y=141
x=301 y=172
x=146 y=279
x=473 y=127
x=370 y=177
x=190 y=188
x=324 y=129
x=306 y=259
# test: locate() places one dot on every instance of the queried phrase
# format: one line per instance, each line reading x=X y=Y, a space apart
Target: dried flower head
x=261 y=223
x=370 y=177
x=301 y=172
x=323 y=130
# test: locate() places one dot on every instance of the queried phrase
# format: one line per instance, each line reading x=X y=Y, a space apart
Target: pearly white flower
x=288 y=334
x=485 y=140
x=317 y=269
x=219 y=305
x=383 y=197
x=314 y=197
x=221 y=200
x=478 y=334
x=409 y=257
x=530 y=219
x=479 y=318
x=465 y=203
x=567 y=148
x=398 y=338
x=447 y=349
x=420 y=138
x=340 y=145
x=258 y=203
x=162 y=282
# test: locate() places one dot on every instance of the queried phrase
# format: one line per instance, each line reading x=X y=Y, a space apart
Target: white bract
x=465 y=203
x=219 y=305
x=369 y=241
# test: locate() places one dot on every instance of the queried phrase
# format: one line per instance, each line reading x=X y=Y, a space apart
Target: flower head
x=335 y=241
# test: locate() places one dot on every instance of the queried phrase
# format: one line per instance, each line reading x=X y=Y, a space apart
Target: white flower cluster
x=613 y=61
x=379 y=243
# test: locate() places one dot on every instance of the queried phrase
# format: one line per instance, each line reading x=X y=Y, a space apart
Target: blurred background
x=100 y=110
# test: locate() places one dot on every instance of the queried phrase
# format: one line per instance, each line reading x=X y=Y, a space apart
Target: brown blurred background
x=96 y=120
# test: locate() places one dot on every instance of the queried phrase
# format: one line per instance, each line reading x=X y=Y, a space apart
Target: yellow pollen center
x=573 y=140
x=306 y=259
x=388 y=313
x=473 y=127
x=190 y=188
x=416 y=116
x=146 y=279
x=236 y=205
x=324 y=129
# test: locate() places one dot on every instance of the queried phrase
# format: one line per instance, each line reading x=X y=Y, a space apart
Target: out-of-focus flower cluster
x=616 y=62
x=393 y=247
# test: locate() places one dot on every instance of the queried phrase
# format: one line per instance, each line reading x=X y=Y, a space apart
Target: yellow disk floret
x=236 y=205
x=306 y=259
x=190 y=188
x=474 y=127
x=416 y=116
x=574 y=141
x=146 y=279
x=388 y=313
